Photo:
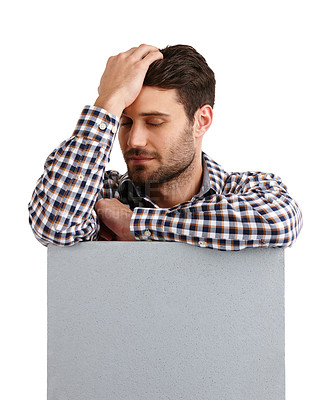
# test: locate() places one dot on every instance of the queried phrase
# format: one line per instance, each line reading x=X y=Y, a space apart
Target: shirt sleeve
x=61 y=210
x=254 y=210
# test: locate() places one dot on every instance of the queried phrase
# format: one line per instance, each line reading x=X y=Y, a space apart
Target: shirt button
x=80 y=177
x=147 y=233
x=102 y=126
x=114 y=129
x=202 y=243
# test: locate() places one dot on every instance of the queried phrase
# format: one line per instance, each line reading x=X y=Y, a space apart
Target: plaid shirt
x=231 y=211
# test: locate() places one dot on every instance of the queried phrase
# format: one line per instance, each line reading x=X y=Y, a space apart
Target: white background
x=272 y=65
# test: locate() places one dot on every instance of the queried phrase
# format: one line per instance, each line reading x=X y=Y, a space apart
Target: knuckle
x=99 y=205
x=121 y=55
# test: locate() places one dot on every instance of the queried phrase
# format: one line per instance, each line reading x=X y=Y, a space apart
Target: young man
x=159 y=102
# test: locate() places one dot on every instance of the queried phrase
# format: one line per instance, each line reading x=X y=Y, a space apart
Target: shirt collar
x=214 y=176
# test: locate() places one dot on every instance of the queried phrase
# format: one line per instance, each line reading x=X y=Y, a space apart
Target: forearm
x=61 y=208
x=257 y=214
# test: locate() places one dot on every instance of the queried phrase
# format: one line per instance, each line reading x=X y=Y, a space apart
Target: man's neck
x=179 y=190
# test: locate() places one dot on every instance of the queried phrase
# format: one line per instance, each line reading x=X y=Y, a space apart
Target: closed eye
x=148 y=123
x=126 y=121
x=151 y=124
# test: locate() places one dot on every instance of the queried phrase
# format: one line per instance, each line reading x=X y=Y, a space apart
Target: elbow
x=47 y=232
x=295 y=225
x=285 y=232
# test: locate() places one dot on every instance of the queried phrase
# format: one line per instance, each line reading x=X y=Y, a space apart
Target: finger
x=128 y=52
x=143 y=50
x=106 y=234
x=151 y=57
x=131 y=51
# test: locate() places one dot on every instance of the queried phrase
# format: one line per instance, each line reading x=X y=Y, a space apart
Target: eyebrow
x=150 y=114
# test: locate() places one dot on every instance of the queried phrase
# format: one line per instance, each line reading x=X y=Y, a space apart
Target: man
x=160 y=102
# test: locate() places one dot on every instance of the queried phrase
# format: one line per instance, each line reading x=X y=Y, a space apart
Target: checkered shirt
x=231 y=211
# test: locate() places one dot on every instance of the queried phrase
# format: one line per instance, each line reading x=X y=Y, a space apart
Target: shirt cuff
x=156 y=224
x=95 y=123
x=148 y=223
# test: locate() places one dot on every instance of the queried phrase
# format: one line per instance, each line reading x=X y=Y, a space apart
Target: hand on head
x=124 y=76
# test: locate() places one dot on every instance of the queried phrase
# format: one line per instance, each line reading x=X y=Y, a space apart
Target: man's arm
x=61 y=210
x=254 y=210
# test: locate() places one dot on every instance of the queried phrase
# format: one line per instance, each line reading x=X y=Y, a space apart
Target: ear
x=202 y=120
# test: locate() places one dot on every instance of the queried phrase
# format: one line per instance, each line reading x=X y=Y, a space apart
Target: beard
x=171 y=165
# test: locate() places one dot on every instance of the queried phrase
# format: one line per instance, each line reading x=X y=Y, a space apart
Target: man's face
x=156 y=137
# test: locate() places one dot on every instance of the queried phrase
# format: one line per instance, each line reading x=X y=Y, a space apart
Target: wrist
x=111 y=105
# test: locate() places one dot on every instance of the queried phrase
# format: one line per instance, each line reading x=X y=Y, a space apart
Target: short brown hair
x=184 y=69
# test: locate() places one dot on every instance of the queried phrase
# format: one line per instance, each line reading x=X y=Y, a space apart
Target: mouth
x=140 y=159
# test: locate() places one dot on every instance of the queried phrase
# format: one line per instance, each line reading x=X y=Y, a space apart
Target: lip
x=140 y=160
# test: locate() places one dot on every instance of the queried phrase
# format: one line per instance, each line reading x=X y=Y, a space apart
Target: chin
x=138 y=176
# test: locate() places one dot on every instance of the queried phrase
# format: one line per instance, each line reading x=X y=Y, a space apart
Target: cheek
x=166 y=138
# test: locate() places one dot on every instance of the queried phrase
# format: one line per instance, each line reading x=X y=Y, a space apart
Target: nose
x=137 y=137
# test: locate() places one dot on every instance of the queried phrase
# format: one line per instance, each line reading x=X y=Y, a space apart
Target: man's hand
x=114 y=220
x=123 y=78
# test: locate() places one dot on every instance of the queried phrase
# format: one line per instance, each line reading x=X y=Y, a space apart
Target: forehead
x=156 y=100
